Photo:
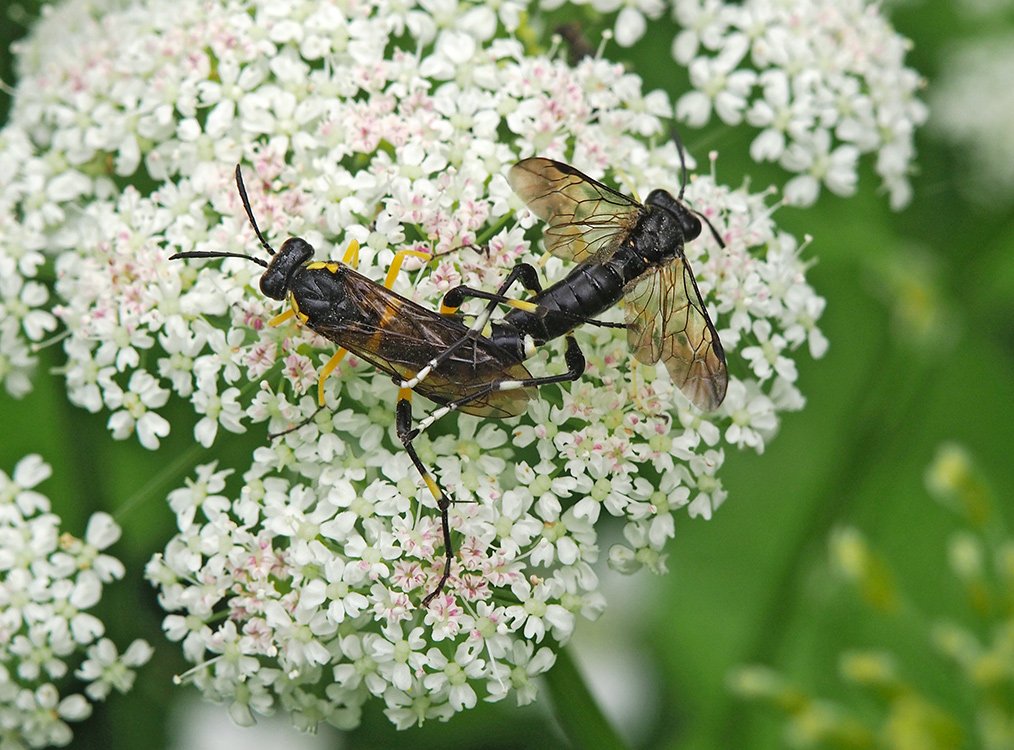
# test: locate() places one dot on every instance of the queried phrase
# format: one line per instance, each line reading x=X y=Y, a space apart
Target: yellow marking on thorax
x=300 y=315
x=327 y=265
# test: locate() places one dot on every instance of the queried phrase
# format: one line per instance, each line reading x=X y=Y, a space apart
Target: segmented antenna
x=253 y=222
x=249 y=212
x=714 y=232
x=683 y=162
x=683 y=186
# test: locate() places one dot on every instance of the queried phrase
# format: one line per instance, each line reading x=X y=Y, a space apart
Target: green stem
x=579 y=715
x=482 y=239
x=894 y=399
x=187 y=459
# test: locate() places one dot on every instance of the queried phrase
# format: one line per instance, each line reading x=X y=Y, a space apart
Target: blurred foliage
x=976 y=648
x=920 y=317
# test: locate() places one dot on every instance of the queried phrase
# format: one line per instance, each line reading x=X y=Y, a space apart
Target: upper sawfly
x=625 y=250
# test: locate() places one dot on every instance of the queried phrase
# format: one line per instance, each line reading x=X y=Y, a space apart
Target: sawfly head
x=276 y=278
x=690 y=225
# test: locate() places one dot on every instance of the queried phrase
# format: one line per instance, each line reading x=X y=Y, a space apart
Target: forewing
x=400 y=337
x=585 y=218
x=667 y=320
x=439 y=388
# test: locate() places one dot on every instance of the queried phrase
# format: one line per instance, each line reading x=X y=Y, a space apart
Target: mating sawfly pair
x=624 y=250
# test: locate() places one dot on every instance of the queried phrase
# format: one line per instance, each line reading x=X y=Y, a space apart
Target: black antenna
x=714 y=232
x=683 y=186
x=683 y=162
x=216 y=254
x=249 y=212
x=253 y=223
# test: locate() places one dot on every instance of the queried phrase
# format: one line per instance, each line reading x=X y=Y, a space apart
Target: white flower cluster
x=973 y=104
x=823 y=80
x=48 y=583
x=392 y=124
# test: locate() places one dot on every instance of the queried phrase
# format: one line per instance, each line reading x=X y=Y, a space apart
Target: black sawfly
x=398 y=337
x=628 y=251
x=625 y=251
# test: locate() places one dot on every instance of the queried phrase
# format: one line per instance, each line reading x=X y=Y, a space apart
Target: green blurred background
x=920 y=317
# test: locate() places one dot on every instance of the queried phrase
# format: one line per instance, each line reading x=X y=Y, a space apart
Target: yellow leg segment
x=326 y=371
x=405 y=394
x=282 y=318
x=521 y=304
x=351 y=257
x=399 y=258
x=431 y=483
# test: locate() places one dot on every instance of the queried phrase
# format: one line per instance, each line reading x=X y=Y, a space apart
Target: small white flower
x=105 y=669
x=16 y=361
x=527 y=664
x=639 y=551
x=453 y=675
x=717 y=85
x=832 y=86
x=414 y=706
x=811 y=155
x=766 y=357
x=538 y=610
x=200 y=493
x=48 y=581
x=143 y=393
x=301 y=631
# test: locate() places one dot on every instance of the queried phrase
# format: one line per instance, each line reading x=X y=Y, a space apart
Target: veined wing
x=400 y=337
x=667 y=320
x=585 y=218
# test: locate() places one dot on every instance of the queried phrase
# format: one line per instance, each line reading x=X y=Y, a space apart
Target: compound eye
x=691 y=227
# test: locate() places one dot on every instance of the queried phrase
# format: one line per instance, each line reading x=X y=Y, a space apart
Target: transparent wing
x=667 y=320
x=585 y=218
x=400 y=337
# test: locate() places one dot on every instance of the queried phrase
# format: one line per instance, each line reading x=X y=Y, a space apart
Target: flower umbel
x=824 y=81
x=48 y=583
x=299 y=586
